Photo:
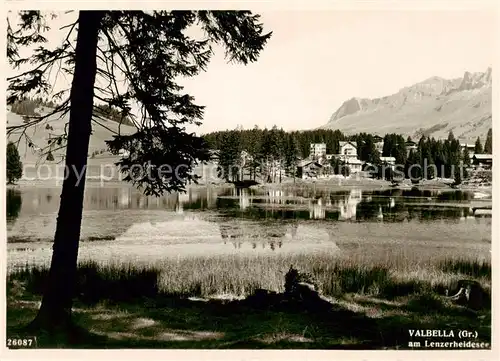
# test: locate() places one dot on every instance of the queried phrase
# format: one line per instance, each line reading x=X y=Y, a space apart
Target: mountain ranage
x=431 y=333
x=432 y=108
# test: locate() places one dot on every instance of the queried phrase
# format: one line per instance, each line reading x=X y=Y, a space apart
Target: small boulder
x=470 y=294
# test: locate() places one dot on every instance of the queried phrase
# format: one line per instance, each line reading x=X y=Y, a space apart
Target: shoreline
x=331 y=184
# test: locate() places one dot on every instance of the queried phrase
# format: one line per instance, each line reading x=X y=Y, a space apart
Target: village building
x=469 y=147
x=379 y=146
x=349 y=155
x=214 y=155
x=484 y=161
x=348 y=150
x=390 y=161
x=379 y=143
x=410 y=146
x=355 y=165
x=317 y=150
x=309 y=169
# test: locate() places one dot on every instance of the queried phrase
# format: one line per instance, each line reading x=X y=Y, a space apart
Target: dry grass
x=240 y=275
x=147 y=307
x=375 y=301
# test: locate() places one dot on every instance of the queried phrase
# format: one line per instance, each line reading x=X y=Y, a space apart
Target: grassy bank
x=239 y=276
x=374 y=304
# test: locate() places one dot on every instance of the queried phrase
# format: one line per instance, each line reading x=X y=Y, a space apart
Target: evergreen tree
x=421 y=141
x=430 y=165
x=253 y=149
x=409 y=163
x=466 y=158
x=388 y=146
x=400 y=149
x=458 y=175
x=335 y=165
x=149 y=50
x=14 y=164
x=465 y=163
x=451 y=136
x=395 y=146
x=367 y=150
x=452 y=156
x=281 y=158
x=478 y=149
x=438 y=156
x=230 y=156
x=455 y=154
x=488 y=145
x=339 y=167
x=345 y=170
x=414 y=171
x=290 y=155
x=270 y=153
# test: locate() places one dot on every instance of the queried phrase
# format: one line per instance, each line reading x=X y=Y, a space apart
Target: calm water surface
x=122 y=224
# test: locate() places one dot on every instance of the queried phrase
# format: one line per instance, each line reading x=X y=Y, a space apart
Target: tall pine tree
x=291 y=155
x=230 y=156
x=14 y=164
x=148 y=51
x=488 y=145
x=478 y=148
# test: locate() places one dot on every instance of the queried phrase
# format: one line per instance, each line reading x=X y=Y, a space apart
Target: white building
x=469 y=147
x=355 y=165
x=390 y=161
x=379 y=143
x=318 y=150
x=410 y=147
x=349 y=155
x=348 y=150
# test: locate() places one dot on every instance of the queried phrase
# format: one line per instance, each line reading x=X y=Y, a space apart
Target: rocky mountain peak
x=434 y=87
x=433 y=106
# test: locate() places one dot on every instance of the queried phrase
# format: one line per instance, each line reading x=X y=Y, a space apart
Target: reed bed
x=240 y=275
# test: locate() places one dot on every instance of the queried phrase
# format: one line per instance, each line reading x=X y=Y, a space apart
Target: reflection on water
x=349 y=205
x=354 y=205
x=259 y=236
x=316 y=209
x=14 y=202
x=219 y=221
x=46 y=200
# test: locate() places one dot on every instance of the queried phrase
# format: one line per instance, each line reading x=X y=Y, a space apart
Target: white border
x=302 y=5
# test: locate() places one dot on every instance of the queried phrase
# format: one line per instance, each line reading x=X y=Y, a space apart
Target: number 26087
x=18 y=342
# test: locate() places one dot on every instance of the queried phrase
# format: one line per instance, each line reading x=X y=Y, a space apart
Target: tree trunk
x=55 y=311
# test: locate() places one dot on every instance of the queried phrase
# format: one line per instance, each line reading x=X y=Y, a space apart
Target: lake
x=122 y=225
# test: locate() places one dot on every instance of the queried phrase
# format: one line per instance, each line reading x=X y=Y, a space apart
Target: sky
x=316 y=60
